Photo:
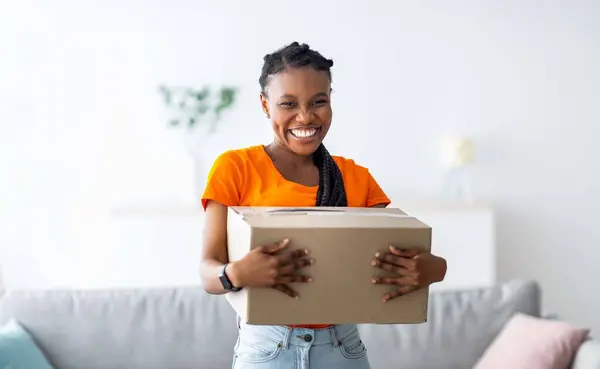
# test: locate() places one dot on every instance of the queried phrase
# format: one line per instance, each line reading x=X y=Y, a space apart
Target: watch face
x=225 y=282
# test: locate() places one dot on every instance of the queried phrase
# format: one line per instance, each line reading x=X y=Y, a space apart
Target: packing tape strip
x=335 y=213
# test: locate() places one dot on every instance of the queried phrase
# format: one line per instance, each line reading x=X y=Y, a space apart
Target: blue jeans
x=280 y=347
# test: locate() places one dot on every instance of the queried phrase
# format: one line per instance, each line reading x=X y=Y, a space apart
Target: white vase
x=170 y=168
x=196 y=143
x=200 y=175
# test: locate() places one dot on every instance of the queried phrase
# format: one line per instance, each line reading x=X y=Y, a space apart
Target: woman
x=295 y=170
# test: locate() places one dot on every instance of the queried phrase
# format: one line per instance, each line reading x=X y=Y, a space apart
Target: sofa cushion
x=18 y=350
x=145 y=328
x=533 y=343
x=461 y=325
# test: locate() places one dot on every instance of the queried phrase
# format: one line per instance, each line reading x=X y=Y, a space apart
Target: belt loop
x=334 y=338
x=287 y=337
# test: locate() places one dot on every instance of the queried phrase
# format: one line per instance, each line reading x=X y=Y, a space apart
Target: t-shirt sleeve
x=376 y=195
x=224 y=181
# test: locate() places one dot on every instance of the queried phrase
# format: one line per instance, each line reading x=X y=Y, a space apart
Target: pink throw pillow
x=528 y=342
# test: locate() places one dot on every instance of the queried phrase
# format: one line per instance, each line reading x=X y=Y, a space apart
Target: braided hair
x=331 y=190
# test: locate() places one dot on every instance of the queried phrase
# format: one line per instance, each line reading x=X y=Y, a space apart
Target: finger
x=294 y=278
x=389 y=258
x=276 y=247
x=396 y=260
x=404 y=290
x=402 y=281
x=406 y=253
x=385 y=266
x=287 y=290
x=289 y=257
x=298 y=264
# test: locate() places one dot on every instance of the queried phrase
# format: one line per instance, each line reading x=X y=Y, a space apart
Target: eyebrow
x=288 y=96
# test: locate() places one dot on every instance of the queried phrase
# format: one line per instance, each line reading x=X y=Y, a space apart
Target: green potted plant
x=197 y=107
x=198 y=111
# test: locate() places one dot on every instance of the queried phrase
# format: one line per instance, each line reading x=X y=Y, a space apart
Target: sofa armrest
x=588 y=356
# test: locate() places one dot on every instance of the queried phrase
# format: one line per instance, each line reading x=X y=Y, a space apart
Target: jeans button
x=307 y=337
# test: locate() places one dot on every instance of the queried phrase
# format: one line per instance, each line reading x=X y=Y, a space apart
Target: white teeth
x=304 y=132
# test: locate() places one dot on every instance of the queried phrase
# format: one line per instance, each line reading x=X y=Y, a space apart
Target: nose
x=304 y=117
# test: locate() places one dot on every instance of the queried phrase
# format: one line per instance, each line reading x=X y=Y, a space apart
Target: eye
x=320 y=102
x=287 y=105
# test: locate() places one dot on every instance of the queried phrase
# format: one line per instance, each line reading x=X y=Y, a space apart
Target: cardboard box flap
x=325 y=212
x=327 y=217
x=249 y=211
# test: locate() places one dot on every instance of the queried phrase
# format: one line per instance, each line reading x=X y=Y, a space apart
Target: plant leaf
x=164 y=91
x=227 y=98
x=182 y=104
x=201 y=95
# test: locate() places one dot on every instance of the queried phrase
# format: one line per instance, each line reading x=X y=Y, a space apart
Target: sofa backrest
x=460 y=326
x=134 y=329
x=186 y=328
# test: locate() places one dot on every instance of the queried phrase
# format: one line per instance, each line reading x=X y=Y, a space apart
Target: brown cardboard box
x=343 y=242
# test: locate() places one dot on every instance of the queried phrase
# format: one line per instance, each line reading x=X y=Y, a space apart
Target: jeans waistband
x=288 y=336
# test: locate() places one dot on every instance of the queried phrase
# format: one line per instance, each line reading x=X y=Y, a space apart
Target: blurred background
x=97 y=189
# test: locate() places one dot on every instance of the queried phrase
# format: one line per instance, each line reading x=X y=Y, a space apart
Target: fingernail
x=306 y=251
x=374 y=280
x=296 y=297
x=374 y=262
x=377 y=254
x=285 y=241
x=310 y=280
x=312 y=261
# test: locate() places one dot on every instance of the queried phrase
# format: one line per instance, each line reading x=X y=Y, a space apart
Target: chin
x=304 y=150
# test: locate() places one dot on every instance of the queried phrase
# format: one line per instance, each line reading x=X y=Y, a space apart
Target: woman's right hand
x=267 y=266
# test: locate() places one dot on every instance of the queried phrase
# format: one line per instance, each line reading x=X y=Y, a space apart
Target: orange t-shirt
x=248 y=177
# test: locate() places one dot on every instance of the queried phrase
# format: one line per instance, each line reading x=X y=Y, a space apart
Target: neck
x=282 y=154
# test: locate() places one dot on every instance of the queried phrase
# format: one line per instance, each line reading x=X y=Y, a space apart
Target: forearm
x=211 y=269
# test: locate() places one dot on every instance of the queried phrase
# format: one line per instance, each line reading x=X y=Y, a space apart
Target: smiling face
x=297 y=101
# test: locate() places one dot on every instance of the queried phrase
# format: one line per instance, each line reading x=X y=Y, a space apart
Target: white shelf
x=159 y=209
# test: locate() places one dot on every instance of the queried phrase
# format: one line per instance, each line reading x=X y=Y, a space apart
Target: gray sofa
x=185 y=328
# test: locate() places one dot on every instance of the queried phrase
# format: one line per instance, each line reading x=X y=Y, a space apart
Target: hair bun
x=266 y=57
x=294 y=44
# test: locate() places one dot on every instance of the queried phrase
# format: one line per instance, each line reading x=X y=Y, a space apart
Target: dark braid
x=331 y=184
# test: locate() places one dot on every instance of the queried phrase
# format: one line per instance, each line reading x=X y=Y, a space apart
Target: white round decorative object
x=457 y=151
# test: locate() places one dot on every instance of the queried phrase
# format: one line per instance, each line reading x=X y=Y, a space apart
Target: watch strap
x=226 y=282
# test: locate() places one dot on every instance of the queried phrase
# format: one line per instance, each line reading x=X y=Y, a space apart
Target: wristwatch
x=226 y=282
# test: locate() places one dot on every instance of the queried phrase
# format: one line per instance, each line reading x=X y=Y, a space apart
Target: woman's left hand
x=414 y=269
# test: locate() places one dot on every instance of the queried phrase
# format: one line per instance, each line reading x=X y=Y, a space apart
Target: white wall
x=81 y=126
